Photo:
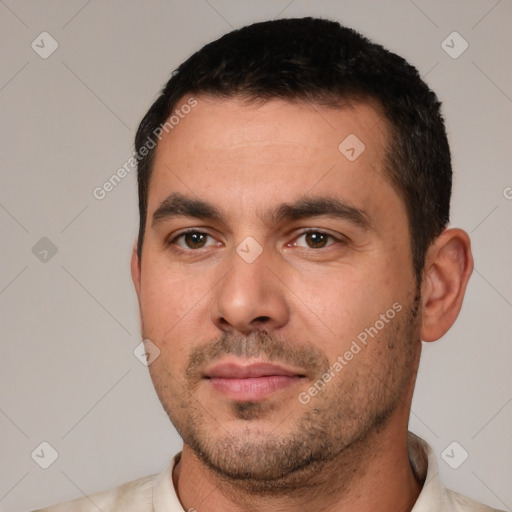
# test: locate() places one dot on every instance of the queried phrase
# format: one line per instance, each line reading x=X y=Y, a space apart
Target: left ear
x=135 y=269
x=448 y=265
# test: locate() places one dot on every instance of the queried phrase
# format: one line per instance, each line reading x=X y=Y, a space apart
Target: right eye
x=193 y=239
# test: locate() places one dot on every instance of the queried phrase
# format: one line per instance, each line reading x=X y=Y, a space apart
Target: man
x=294 y=192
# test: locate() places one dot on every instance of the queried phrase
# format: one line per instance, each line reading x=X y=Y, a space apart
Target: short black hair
x=323 y=62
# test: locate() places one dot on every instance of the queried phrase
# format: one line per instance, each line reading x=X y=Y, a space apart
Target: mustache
x=270 y=348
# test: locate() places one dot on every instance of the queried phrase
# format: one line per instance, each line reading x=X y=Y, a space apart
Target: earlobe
x=135 y=269
x=448 y=266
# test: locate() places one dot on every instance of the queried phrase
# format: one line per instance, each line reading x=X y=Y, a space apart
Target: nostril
x=223 y=322
x=261 y=319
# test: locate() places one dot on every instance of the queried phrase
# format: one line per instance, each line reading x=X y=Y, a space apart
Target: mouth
x=251 y=382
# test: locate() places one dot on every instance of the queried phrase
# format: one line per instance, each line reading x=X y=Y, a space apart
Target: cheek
x=170 y=300
x=345 y=302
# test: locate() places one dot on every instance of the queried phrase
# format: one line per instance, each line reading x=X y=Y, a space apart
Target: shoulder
x=136 y=495
x=459 y=503
x=433 y=495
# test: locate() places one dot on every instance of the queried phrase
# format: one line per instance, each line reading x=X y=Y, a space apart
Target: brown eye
x=193 y=240
x=316 y=240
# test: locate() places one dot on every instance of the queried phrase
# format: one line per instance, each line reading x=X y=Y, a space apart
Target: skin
x=301 y=303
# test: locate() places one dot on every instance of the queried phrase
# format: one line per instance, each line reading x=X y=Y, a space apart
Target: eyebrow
x=321 y=206
x=178 y=205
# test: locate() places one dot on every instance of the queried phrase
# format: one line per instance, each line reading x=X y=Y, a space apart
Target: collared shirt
x=157 y=494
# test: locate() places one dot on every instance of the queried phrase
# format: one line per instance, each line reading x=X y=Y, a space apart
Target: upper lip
x=253 y=370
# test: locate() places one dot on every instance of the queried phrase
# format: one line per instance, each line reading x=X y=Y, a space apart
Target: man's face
x=271 y=254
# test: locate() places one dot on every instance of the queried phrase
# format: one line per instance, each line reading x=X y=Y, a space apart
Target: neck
x=373 y=474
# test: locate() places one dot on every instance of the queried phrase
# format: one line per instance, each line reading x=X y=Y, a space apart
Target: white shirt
x=157 y=494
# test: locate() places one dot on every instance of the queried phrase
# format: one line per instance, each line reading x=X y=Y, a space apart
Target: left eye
x=314 y=240
x=193 y=240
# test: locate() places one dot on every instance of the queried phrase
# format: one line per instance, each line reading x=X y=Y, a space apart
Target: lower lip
x=254 y=388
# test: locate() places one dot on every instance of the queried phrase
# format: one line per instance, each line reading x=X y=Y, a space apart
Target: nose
x=251 y=296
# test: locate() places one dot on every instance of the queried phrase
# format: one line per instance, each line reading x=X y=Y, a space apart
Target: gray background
x=70 y=320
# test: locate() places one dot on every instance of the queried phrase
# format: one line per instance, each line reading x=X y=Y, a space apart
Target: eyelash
x=340 y=240
x=173 y=241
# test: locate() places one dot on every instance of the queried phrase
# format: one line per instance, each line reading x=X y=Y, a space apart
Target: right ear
x=135 y=269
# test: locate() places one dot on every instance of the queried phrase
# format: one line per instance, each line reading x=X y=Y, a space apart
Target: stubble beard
x=334 y=428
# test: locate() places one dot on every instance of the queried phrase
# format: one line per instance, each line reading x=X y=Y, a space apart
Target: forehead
x=263 y=152
x=236 y=124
